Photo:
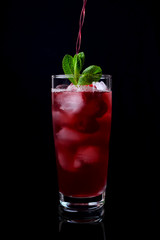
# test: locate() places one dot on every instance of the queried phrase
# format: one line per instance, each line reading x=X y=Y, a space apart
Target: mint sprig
x=72 y=66
x=67 y=65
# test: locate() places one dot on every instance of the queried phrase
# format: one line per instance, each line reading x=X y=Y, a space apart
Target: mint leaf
x=67 y=64
x=72 y=66
x=68 y=68
x=78 y=62
x=91 y=74
x=81 y=59
x=77 y=67
x=93 y=69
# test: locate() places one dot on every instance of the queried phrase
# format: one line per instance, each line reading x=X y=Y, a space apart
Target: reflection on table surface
x=84 y=230
x=93 y=231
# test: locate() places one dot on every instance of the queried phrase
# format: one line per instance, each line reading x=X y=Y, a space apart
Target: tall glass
x=81 y=127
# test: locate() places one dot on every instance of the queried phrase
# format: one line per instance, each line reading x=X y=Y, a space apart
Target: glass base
x=83 y=210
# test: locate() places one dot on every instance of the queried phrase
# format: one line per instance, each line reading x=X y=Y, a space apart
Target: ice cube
x=94 y=105
x=80 y=88
x=69 y=135
x=62 y=86
x=72 y=88
x=62 y=160
x=86 y=155
x=61 y=118
x=85 y=88
x=100 y=86
x=70 y=102
x=65 y=158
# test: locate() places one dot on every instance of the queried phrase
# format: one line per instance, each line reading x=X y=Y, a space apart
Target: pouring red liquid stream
x=81 y=21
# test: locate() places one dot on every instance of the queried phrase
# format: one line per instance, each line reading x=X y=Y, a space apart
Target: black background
x=123 y=38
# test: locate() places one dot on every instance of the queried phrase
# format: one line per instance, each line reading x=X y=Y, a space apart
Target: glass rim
x=66 y=76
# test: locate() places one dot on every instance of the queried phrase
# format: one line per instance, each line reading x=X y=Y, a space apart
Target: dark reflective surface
x=85 y=229
x=94 y=231
x=36 y=36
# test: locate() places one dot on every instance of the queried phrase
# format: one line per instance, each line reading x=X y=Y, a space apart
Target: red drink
x=82 y=124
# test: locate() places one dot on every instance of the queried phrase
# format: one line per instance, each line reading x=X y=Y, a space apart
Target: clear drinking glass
x=81 y=126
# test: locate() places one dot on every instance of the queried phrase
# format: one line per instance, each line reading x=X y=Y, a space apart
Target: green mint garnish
x=68 y=68
x=91 y=74
x=72 y=66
